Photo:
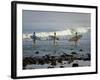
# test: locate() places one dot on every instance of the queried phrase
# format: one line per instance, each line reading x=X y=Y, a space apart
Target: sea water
x=44 y=47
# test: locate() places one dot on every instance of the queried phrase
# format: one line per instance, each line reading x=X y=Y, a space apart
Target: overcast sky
x=43 y=21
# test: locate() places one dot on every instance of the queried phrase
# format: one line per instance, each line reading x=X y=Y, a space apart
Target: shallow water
x=47 y=47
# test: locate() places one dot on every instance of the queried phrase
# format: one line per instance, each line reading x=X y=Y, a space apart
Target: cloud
x=49 y=21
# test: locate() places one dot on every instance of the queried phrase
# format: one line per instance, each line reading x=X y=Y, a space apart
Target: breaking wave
x=67 y=32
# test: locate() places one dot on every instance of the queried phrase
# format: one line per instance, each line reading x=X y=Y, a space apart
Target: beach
x=44 y=54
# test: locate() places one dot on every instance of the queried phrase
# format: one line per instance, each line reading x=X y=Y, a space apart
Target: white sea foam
x=80 y=30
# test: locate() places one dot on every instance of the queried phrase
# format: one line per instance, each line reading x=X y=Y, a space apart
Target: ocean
x=44 y=47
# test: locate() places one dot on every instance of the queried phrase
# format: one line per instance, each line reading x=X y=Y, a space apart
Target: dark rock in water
x=28 y=60
x=86 y=59
x=75 y=65
x=50 y=67
x=63 y=57
x=60 y=60
x=71 y=49
x=70 y=61
x=37 y=52
x=53 y=63
x=61 y=66
x=73 y=53
x=81 y=49
x=41 y=61
x=64 y=53
x=89 y=56
x=24 y=65
x=52 y=57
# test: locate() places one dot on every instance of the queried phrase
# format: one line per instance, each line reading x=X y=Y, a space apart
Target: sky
x=50 y=21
